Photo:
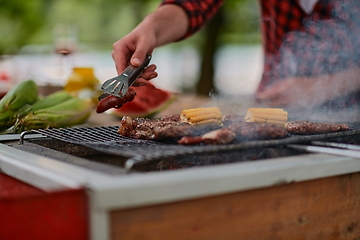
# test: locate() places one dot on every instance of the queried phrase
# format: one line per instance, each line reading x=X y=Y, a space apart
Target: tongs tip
x=119 y=85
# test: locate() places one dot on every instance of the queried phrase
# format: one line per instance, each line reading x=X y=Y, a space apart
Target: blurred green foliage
x=241 y=22
x=100 y=23
x=19 y=20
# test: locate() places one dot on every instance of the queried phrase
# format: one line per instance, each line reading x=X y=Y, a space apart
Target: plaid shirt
x=297 y=44
x=199 y=12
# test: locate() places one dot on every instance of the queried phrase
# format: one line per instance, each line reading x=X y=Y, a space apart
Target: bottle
x=82 y=83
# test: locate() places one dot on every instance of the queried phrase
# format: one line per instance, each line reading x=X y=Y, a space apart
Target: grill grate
x=108 y=140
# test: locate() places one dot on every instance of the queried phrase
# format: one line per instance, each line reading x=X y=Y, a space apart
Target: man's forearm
x=170 y=23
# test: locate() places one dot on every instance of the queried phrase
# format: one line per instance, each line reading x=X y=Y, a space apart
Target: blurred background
x=45 y=39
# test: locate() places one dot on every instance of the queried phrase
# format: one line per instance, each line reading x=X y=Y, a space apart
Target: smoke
x=324 y=47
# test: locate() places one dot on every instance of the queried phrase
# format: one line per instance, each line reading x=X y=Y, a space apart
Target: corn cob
x=7 y=119
x=71 y=112
x=10 y=117
x=23 y=93
x=267 y=115
x=48 y=101
x=51 y=100
x=199 y=116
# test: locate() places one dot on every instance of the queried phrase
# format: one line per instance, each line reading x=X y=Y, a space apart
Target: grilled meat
x=187 y=140
x=172 y=131
x=216 y=137
x=307 y=127
x=171 y=128
x=171 y=118
x=115 y=102
x=220 y=136
x=168 y=128
x=156 y=129
x=257 y=131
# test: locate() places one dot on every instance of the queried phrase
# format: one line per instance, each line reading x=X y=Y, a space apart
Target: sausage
x=115 y=102
x=307 y=127
x=107 y=103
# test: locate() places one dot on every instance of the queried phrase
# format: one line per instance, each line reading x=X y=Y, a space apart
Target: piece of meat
x=115 y=102
x=172 y=131
x=126 y=126
x=169 y=128
x=257 y=131
x=307 y=127
x=188 y=140
x=216 y=137
x=220 y=136
x=154 y=129
x=171 y=118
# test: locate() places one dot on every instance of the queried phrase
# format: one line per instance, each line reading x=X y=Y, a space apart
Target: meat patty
x=307 y=127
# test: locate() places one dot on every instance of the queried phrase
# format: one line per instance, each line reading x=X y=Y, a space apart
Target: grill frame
x=106 y=139
x=134 y=190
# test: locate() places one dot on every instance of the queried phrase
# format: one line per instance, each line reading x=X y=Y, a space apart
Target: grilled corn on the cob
x=200 y=116
x=276 y=116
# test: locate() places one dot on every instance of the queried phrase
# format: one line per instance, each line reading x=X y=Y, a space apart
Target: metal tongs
x=119 y=85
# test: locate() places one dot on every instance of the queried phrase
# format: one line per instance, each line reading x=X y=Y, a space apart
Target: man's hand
x=296 y=92
x=132 y=49
x=167 y=24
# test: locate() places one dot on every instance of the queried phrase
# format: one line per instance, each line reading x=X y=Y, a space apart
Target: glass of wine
x=65 y=44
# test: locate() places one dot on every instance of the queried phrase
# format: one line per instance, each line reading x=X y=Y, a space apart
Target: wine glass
x=65 y=44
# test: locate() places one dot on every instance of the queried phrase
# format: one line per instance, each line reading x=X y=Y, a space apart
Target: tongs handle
x=132 y=73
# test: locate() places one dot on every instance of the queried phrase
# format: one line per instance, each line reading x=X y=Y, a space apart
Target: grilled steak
x=257 y=131
x=307 y=127
x=155 y=129
x=171 y=118
x=170 y=128
x=172 y=131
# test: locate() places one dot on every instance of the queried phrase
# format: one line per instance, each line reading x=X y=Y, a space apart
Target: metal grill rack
x=108 y=140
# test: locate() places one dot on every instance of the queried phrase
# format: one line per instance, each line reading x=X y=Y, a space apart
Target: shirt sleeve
x=199 y=12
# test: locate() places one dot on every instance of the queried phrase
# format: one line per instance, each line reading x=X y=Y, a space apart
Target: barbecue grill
x=122 y=173
x=108 y=140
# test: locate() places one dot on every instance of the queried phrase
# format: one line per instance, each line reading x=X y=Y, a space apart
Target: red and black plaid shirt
x=297 y=44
